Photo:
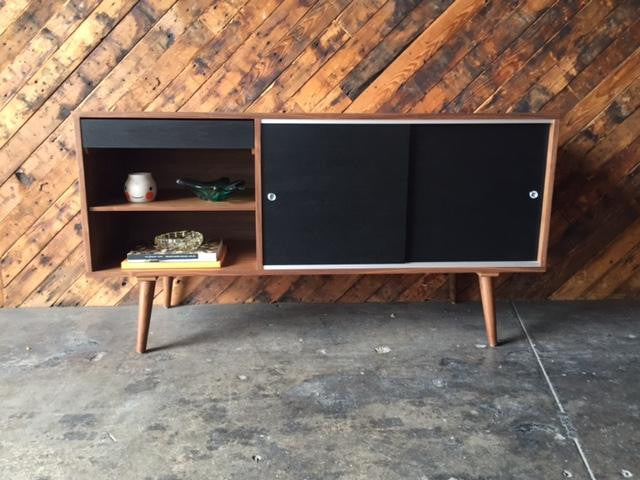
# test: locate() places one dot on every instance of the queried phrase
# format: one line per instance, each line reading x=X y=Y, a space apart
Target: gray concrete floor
x=299 y=392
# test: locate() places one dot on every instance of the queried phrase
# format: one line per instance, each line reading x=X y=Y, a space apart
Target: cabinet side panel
x=552 y=151
x=476 y=192
x=86 y=239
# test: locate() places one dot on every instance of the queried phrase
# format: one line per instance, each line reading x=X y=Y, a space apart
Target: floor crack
x=565 y=419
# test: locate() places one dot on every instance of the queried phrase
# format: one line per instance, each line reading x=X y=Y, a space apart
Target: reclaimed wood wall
x=579 y=59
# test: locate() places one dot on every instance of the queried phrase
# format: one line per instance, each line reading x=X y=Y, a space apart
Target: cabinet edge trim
x=408 y=265
x=527 y=121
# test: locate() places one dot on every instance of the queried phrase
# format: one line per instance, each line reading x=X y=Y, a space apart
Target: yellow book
x=127 y=265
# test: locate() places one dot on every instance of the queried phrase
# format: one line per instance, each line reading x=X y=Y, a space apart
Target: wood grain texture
x=577 y=59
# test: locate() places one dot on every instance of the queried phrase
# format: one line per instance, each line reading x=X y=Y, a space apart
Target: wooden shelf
x=240 y=260
x=182 y=201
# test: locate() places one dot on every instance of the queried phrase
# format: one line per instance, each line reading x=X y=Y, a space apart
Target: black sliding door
x=334 y=193
x=476 y=191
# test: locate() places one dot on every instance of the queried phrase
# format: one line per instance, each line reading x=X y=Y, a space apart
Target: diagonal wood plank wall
x=579 y=59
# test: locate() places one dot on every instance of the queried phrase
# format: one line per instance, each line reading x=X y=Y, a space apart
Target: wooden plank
x=56 y=69
x=434 y=36
x=335 y=101
x=303 y=67
x=423 y=289
x=465 y=71
x=460 y=49
x=208 y=290
x=10 y=11
x=145 y=89
x=338 y=66
x=598 y=69
x=616 y=113
x=363 y=288
x=620 y=137
x=572 y=61
x=303 y=287
x=225 y=81
x=83 y=288
x=240 y=290
x=213 y=55
x=58 y=282
x=48 y=259
x=97 y=65
x=281 y=54
x=23 y=28
x=589 y=275
x=30 y=180
x=574 y=202
x=111 y=291
x=161 y=37
x=393 y=288
x=43 y=44
x=274 y=288
x=378 y=59
x=332 y=289
x=61 y=212
x=513 y=58
x=600 y=97
x=624 y=269
x=564 y=46
x=628 y=288
x=25 y=213
x=352 y=20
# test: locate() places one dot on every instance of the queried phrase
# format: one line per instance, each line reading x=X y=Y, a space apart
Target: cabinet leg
x=147 y=286
x=167 y=286
x=452 y=288
x=488 y=307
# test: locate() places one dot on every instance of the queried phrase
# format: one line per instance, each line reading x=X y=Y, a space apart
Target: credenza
x=347 y=194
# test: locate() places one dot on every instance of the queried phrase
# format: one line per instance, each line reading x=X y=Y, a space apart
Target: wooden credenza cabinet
x=331 y=194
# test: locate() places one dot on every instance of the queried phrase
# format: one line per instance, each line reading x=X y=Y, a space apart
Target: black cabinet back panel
x=341 y=193
x=469 y=193
x=161 y=133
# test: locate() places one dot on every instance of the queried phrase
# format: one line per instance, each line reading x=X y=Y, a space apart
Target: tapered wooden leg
x=452 y=288
x=488 y=307
x=147 y=286
x=167 y=286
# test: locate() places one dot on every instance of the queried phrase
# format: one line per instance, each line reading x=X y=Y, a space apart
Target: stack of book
x=208 y=255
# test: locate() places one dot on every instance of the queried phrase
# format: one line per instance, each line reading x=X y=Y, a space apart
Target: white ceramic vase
x=140 y=187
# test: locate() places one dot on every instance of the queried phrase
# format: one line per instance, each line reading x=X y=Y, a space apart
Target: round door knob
x=271 y=196
x=533 y=194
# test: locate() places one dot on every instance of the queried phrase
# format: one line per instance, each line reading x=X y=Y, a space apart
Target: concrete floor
x=299 y=392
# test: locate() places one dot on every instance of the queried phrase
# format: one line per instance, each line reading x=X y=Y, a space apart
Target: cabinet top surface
x=518 y=117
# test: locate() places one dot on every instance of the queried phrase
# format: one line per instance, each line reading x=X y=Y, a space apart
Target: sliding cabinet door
x=334 y=193
x=476 y=191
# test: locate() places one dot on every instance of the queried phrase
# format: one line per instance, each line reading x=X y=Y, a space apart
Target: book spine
x=160 y=256
x=178 y=257
x=126 y=265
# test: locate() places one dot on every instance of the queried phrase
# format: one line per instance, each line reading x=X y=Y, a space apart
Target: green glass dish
x=215 y=190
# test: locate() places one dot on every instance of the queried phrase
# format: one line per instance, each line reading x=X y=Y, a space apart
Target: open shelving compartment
x=115 y=226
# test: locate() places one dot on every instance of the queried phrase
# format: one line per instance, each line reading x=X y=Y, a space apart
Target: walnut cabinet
x=327 y=194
